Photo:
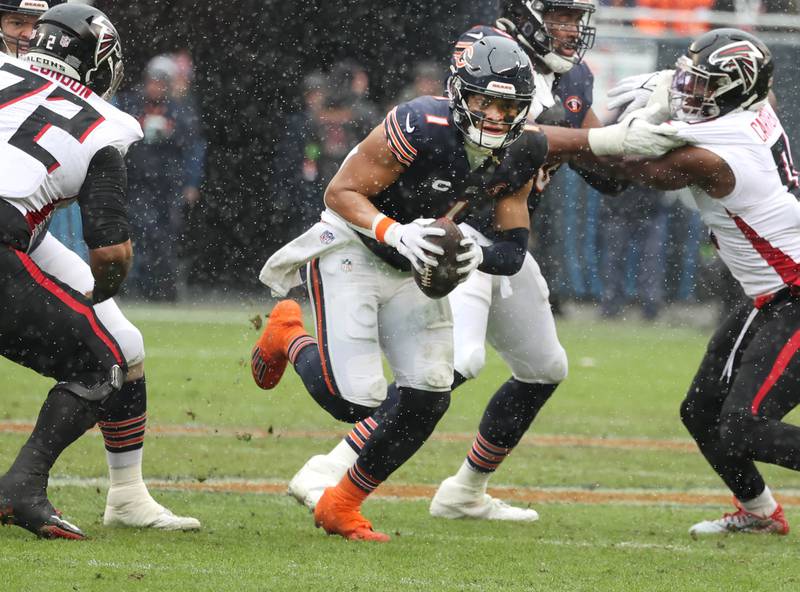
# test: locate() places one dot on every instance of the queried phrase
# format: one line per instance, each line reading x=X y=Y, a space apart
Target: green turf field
x=608 y=466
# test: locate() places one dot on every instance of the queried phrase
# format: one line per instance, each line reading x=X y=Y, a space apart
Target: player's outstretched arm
x=680 y=168
x=102 y=201
x=632 y=136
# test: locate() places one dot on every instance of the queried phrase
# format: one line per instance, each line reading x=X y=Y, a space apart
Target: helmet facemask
x=533 y=25
x=582 y=40
x=693 y=92
x=473 y=122
x=697 y=95
x=21 y=42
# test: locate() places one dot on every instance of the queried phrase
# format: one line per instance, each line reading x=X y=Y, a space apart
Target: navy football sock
x=404 y=429
x=507 y=417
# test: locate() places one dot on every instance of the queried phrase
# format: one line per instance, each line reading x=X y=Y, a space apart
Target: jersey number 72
x=27 y=136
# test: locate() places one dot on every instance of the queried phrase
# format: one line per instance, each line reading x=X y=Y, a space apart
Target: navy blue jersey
x=437 y=179
x=574 y=88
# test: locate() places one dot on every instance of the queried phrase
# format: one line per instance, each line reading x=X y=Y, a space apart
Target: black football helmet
x=25 y=8
x=495 y=67
x=723 y=70
x=526 y=21
x=79 y=41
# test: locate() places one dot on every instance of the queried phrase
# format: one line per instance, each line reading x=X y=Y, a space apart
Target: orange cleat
x=269 y=358
x=337 y=513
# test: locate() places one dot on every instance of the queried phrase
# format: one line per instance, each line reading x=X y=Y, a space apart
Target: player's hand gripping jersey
x=439 y=178
x=757 y=226
x=50 y=129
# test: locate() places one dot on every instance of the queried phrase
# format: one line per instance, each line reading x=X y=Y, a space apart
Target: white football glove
x=635 y=92
x=410 y=241
x=471 y=257
x=634 y=136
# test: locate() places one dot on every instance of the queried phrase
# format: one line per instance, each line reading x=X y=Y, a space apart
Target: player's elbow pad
x=507 y=254
x=102 y=200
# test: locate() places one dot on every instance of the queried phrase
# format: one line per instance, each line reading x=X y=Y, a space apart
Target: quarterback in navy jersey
x=431 y=157
x=511 y=311
x=439 y=178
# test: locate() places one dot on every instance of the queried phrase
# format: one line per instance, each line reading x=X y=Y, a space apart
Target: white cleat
x=132 y=506
x=319 y=473
x=742 y=521
x=455 y=500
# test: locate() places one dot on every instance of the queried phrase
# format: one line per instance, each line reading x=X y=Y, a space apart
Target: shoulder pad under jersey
x=411 y=127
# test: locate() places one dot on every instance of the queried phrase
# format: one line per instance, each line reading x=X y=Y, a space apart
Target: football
x=438 y=282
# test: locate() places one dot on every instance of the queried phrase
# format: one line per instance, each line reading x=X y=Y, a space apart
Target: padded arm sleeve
x=506 y=255
x=601 y=183
x=102 y=200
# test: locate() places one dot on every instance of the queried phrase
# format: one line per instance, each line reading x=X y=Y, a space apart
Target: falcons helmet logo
x=741 y=57
x=107 y=40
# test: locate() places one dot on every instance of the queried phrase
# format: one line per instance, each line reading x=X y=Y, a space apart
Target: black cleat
x=26 y=505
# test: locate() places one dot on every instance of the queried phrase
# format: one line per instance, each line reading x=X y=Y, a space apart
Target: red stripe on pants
x=783 y=359
x=40 y=278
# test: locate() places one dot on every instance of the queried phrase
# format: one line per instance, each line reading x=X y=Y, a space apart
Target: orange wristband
x=382 y=226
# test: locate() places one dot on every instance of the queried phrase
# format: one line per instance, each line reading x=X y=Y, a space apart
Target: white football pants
x=513 y=313
x=363 y=306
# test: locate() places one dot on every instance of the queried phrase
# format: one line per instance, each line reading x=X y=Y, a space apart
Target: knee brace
x=95 y=387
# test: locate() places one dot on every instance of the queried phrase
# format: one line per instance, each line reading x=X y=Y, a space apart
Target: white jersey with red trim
x=757 y=226
x=50 y=129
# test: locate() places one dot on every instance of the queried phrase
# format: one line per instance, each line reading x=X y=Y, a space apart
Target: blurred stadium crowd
x=219 y=183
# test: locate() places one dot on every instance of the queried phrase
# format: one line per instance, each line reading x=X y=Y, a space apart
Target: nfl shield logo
x=65 y=41
x=326 y=237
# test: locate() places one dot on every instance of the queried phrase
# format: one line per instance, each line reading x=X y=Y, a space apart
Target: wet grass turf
x=625 y=381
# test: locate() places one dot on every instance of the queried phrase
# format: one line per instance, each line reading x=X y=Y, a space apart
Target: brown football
x=439 y=281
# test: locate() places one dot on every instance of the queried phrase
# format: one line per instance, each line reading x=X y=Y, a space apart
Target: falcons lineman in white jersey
x=740 y=171
x=60 y=142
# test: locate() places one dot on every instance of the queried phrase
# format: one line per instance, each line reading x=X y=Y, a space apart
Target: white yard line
x=400 y=491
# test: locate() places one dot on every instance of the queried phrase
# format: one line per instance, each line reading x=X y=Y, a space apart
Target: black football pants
x=47 y=326
x=747 y=382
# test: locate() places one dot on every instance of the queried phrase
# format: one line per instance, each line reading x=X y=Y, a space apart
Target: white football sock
x=762 y=505
x=124 y=468
x=342 y=454
x=471 y=478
